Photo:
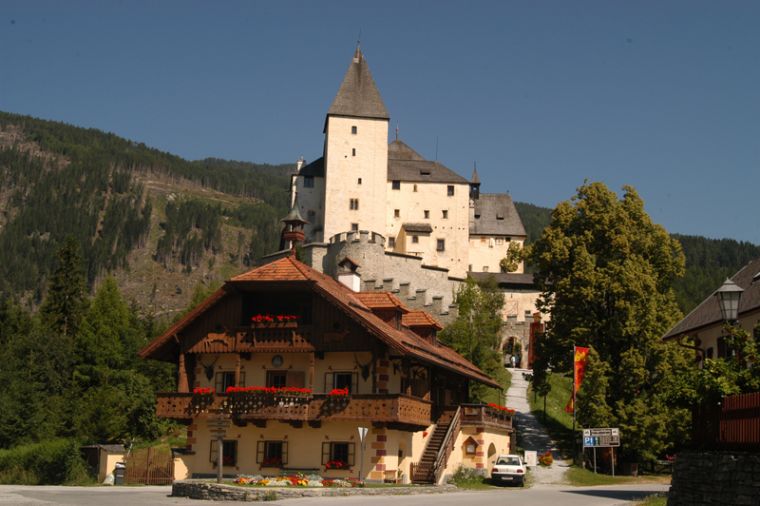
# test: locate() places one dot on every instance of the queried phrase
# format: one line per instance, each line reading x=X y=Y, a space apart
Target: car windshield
x=508 y=461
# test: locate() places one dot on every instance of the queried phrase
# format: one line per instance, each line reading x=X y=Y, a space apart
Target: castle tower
x=355 y=154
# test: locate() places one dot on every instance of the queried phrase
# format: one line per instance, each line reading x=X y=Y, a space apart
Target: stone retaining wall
x=715 y=477
x=195 y=489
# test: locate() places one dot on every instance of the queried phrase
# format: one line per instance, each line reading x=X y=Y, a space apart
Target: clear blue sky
x=664 y=96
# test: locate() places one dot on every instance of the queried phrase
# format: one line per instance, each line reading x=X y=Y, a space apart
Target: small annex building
x=298 y=361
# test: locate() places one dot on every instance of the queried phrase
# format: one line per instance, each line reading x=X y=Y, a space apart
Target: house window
x=277 y=379
x=354 y=129
x=450 y=190
x=427 y=214
x=308 y=181
x=338 y=452
x=353 y=204
x=342 y=379
x=445 y=214
x=395 y=184
x=396 y=213
x=353 y=151
x=392 y=242
x=354 y=227
x=415 y=239
x=226 y=379
x=359 y=181
x=272 y=453
x=229 y=452
x=440 y=245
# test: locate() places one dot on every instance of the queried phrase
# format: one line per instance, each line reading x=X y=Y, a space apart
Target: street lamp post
x=729 y=295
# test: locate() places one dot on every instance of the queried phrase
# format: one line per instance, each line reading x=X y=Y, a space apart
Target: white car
x=508 y=469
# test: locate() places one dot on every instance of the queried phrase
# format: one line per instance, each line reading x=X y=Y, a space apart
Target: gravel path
x=531 y=435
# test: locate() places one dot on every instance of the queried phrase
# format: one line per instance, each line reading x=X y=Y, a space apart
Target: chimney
x=348 y=275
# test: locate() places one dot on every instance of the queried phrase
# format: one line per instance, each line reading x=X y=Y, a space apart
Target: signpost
x=218 y=427
x=602 y=438
x=362 y=436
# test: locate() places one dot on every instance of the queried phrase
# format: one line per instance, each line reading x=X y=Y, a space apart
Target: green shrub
x=52 y=462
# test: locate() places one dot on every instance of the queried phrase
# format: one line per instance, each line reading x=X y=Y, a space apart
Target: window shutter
x=351 y=454
x=284 y=453
x=260 y=452
x=325 y=452
x=219 y=383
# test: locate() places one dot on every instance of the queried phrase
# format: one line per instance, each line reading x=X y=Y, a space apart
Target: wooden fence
x=734 y=424
x=150 y=466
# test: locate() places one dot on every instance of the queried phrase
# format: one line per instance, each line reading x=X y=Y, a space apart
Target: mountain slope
x=160 y=224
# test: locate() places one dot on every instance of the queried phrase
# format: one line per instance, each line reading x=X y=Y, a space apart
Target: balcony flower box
x=274 y=321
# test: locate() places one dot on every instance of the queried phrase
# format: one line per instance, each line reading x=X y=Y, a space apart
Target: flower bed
x=296 y=480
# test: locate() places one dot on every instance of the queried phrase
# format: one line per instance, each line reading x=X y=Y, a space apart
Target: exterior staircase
x=430 y=467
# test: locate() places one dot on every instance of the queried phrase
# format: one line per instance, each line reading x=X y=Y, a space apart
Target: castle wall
x=412 y=200
x=311 y=205
x=486 y=253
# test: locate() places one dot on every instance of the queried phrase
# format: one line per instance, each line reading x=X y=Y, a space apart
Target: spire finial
x=397 y=130
x=358 y=52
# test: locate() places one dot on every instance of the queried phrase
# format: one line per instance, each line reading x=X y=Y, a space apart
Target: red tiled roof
x=380 y=300
x=419 y=319
x=288 y=269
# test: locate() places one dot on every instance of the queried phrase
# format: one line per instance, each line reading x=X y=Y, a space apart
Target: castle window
x=445 y=214
x=353 y=151
x=395 y=184
x=427 y=214
x=450 y=190
x=353 y=204
x=414 y=189
x=354 y=227
x=397 y=213
x=392 y=242
x=415 y=239
x=308 y=181
x=354 y=129
x=440 y=245
x=359 y=181
x=499 y=241
x=485 y=268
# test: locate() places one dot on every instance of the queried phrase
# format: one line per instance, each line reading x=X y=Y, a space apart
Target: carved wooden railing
x=486 y=416
x=447 y=445
x=398 y=408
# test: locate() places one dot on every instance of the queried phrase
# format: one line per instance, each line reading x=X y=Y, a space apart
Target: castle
x=406 y=224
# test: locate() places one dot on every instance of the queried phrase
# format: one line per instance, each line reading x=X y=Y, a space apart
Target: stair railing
x=447 y=445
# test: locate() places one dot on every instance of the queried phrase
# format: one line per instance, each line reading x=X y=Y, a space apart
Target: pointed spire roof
x=294 y=214
x=475 y=179
x=358 y=95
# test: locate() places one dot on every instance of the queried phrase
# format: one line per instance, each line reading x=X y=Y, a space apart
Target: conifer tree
x=66 y=301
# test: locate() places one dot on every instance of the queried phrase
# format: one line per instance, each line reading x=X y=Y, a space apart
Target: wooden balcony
x=481 y=415
x=379 y=408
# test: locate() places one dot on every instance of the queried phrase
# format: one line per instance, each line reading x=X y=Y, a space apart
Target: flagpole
x=575 y=374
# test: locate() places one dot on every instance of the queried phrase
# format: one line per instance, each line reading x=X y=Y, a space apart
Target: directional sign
x=601 y=437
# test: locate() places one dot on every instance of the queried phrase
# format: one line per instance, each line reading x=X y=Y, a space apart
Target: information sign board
x=601 y=437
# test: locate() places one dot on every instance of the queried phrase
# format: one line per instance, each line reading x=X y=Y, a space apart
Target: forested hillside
x=708 y=261
x=160 y=224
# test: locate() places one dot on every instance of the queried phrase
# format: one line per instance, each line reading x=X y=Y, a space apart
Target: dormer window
x=499 y=216
x=424 y=172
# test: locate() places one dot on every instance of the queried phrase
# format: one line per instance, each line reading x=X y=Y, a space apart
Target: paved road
x=150 y=496
x=531 y=435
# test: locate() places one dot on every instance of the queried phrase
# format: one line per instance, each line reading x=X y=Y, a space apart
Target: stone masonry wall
x=715 y=477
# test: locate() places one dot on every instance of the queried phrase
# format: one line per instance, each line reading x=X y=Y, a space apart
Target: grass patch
x=654 y=500
x=579 y=477
x=467 y=479
x=558 y=423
